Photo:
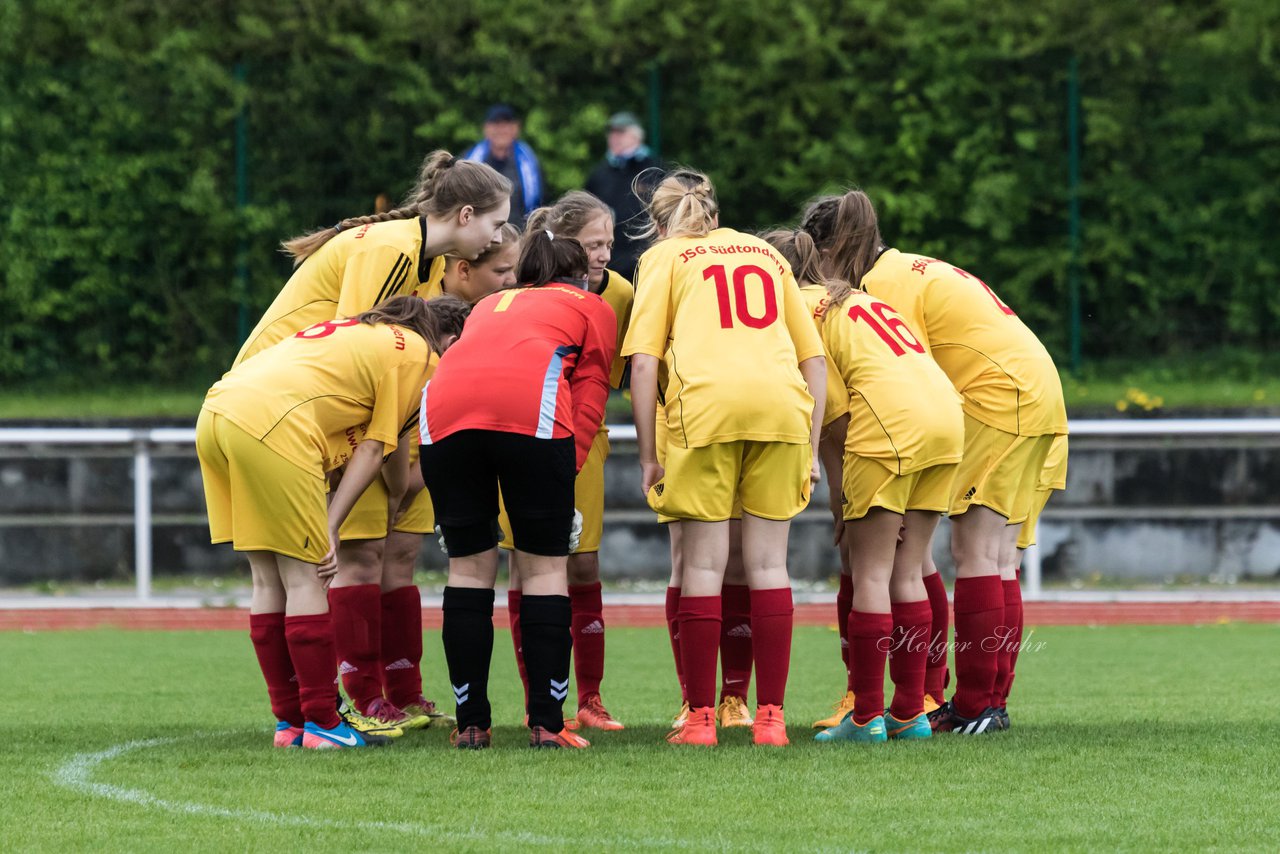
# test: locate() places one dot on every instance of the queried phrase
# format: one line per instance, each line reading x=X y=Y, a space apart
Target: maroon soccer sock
x=517 y=641
x=356 y=613
x=272 y=647
x=588 y=638
x=935 y=677
x=699 y=621
x=979 y=612
x=1012 y=641
x=772 y=618
x=868 y=648
x=401 y=649
x=673 y=630
x=908 y=657
x=735 y=640
x=310 y=641
x=844 y=604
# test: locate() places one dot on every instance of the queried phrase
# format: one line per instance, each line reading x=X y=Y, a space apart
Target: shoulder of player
x=614 y=282
x=401 y=235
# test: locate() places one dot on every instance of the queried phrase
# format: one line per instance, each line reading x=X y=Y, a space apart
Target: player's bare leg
x=912 y=622
x=764 y=557
x=977 y=536
x=735 y=637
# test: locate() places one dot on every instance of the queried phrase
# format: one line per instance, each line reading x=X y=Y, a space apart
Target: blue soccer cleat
x=917 y=727
x=872 y=731
x=340 y=737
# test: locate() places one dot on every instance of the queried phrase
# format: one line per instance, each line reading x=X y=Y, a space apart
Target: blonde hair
x=446 y=184
x=846 y=230
x=434 y=320
x=682 y=205
x=571 y=213
x=802 y=254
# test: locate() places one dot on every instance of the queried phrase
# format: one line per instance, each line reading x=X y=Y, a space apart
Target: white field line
x=77 y=772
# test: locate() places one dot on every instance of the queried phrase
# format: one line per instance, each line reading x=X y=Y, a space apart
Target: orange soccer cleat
x=770 y=727
x=699 y=728
x=594 y=715
x=541 y=737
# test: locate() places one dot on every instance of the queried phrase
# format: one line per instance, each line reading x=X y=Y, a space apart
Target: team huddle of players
x=756 y=365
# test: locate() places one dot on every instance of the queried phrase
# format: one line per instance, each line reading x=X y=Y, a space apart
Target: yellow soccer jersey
x=317 y=395
x=815 y=297
x=1054 y=473
x=619 y=293
x=351 y=273
x=725 y=314
x=1006 y=377
x=903 y=410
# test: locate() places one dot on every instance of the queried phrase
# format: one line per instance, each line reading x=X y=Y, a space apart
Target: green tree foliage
x=117 y=139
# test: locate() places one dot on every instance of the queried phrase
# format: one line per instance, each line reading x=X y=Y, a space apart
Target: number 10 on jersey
x=736 y=305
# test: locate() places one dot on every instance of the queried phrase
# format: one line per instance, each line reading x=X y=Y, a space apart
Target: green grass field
x=1123 y=738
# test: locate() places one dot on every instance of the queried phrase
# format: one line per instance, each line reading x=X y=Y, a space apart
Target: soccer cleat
x=872 y=731
x=917 y=727
x=699 y=728
x=938 y=714
x=471 y=738
x=288 y=735
x=543 y=738
x=842 y=708
x=594 y=715
x=426 y=709
x=988 y=721
x=930 y=704
x=683 y=716
x=366 y=725
x=1002 y=718
x=732 y=712
x=770 y=727
x=340 y=737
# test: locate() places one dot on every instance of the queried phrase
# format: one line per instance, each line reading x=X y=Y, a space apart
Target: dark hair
x=434 y=320
x=446 y=184
x=545 y=258
x=846 y=229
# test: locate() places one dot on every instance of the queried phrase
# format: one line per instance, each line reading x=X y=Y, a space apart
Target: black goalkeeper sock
x=544 y=625
x=468 y=647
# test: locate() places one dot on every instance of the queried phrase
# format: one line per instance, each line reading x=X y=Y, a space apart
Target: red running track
x=649 y=616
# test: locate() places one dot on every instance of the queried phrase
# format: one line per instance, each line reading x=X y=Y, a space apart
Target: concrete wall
x=1136 y=508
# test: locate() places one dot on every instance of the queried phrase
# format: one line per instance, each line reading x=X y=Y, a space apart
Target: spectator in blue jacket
x=503 y=150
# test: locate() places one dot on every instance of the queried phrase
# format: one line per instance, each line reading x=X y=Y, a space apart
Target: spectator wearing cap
x=611 y=181
x=503 y=150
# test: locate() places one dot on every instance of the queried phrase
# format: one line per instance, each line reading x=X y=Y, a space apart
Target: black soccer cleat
x=938 y=715
x=986 y=722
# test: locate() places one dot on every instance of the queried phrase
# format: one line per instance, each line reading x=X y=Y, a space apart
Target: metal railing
x=145 y=441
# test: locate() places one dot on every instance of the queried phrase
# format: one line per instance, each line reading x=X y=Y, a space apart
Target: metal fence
x=144 y=443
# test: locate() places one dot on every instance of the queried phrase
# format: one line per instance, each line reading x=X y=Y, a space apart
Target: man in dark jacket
x=611 y=181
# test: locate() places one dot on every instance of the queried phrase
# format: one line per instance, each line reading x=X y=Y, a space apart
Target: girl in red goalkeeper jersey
x=744 y=402
x=588 y=220
x=516 y=407
x=336 y=394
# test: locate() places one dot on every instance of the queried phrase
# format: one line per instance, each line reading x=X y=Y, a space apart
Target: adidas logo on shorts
x=400 y=664
x=742 y=630
x=973 y=490
x=657 y=489
x=595 y=627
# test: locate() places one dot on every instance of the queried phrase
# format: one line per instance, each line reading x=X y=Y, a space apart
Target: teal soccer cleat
x=872 y=731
